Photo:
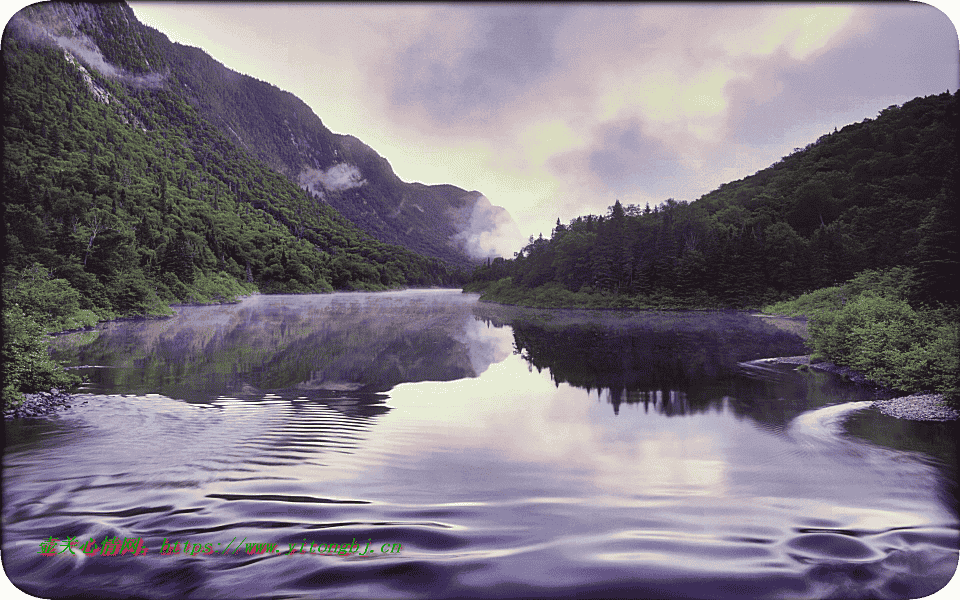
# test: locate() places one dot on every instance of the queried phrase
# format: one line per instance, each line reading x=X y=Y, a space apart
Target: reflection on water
x=509 y=452
x=314 y=345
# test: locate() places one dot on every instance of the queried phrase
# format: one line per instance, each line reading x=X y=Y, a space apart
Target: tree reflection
x=673 y=363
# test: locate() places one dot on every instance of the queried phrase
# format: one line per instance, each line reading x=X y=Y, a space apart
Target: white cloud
x=486 y=230
x=341 y=176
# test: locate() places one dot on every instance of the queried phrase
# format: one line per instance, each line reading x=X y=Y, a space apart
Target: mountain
x=876 y=195
x=127 y=187
x=279 y=129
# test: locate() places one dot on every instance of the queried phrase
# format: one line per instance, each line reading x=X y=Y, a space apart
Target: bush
x=890 y=342
x=27 y=366
x=216 y=287
x=130 y=293
x=830 y=298
x=897 y=283
x=47 y=300
x=174 y=286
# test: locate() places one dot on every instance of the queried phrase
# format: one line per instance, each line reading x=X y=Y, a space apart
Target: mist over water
x=509 y=452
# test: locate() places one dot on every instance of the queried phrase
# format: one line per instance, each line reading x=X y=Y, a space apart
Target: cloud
x=341 y=176
x=800 y=30
x=624 y=155
x=464 y=70
x=887 y=57
x=88 y=52
x=486 y=230
x=621 y=161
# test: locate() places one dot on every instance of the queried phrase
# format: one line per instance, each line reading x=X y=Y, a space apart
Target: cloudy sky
x=558 y=110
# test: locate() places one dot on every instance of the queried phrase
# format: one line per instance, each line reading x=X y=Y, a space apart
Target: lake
x=447 y=448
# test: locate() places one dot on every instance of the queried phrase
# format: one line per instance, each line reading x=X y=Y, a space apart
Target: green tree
x=27 y=366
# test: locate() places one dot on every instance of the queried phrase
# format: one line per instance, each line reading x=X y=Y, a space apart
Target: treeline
x=875 y=195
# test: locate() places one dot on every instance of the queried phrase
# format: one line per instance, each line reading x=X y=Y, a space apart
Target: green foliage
x=888 y=341
x=52 y=302
x=554 y=295
x=897 y=283
x=210 y=288
x=141 y=202
x=869 y=325
x=27 y=366
x=830 y=298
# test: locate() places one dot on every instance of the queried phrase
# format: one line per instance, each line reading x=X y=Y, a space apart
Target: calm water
x=471 y=451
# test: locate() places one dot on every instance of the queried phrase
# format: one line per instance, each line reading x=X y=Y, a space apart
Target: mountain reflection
x=353 y=346
x=349 y=350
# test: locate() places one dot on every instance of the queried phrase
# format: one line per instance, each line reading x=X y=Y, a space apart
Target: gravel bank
x=36 y=405
x=916 y=407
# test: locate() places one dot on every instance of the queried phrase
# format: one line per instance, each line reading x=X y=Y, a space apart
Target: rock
x=36 y=405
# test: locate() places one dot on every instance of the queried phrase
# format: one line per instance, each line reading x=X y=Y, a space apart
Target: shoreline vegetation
x=37 y=305
x=863 y=330
x=877 y=328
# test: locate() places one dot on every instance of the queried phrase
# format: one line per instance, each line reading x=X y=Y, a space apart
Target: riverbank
x=45 y=403
x=915 y=407
x=39 y=404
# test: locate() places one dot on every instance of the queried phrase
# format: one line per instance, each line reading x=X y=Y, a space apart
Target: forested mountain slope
x=279 y=129
x=282 y=131
x=116 y=184
x=874 y=195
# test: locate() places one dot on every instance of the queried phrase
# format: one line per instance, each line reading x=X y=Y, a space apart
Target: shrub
x=830 y=298
x=897 y=283
x=130 y=293
x=51 y=302
x=27 y=366
x=890 y=342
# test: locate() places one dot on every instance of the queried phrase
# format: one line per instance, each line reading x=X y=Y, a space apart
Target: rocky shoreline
x=40 y=404
x=915 y=407
x=918 y=407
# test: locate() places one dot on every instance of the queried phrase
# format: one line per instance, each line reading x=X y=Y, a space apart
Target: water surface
x=491 y=451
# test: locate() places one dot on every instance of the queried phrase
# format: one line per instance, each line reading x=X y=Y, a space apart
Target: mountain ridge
x=279 y=129
x=121 y=197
